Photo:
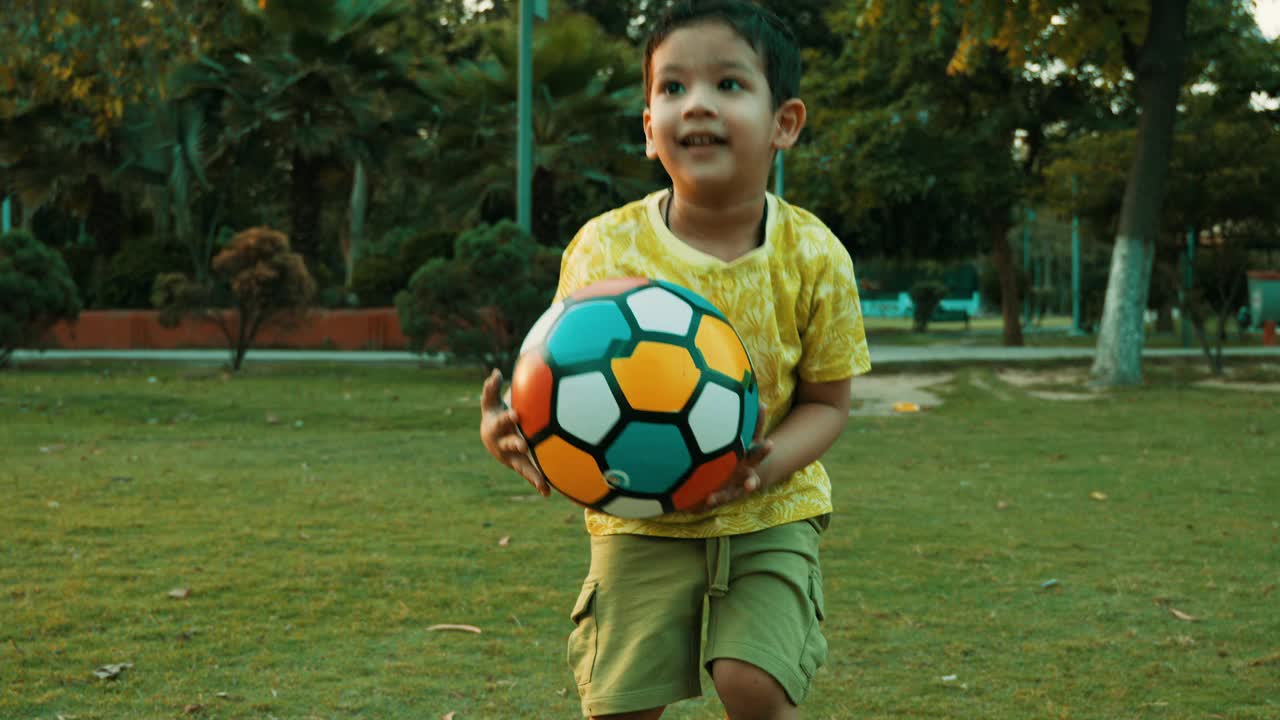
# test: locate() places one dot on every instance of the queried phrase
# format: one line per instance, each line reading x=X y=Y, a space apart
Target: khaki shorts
x=654 y=611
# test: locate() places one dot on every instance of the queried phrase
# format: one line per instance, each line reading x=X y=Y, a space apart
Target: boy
x=721 y=79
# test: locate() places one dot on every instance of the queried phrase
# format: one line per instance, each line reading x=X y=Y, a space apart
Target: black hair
x=765 y=32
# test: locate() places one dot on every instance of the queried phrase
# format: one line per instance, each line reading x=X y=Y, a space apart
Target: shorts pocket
x=582 y=641
x=814 y=654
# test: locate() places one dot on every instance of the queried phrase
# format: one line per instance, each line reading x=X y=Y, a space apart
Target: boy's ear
x=650 y=149
x=788 y=121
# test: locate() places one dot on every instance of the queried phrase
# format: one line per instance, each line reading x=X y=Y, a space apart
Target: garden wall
x=371 y=329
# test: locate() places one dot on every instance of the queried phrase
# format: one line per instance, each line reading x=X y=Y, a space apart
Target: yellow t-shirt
x=794 y=302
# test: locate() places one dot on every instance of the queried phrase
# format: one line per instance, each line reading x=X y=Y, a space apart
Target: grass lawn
x=1000 y=557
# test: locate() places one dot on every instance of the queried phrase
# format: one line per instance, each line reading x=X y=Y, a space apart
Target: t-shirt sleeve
x=834 y=341
x=580 y=262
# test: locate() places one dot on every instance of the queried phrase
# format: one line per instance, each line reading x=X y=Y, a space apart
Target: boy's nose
x=699 y=103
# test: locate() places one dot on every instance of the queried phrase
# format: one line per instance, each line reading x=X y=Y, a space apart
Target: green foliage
x=926 y=296
x=377 y=279
x=36 y=291
x=483 y=301
x=265 y=282
x=587 y=128
x=130 y=274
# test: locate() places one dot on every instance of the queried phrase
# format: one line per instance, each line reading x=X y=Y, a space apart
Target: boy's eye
x=730 y=84
x=671 y=87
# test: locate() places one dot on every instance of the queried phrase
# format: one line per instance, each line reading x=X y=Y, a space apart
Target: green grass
x=324 y=518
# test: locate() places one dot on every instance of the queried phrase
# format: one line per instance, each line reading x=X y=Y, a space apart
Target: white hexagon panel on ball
x=585 y=406
x=715 y=418
x=659 y=310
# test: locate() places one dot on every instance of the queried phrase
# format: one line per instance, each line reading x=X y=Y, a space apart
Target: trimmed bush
x=483 y=300
x=264 y=282
x=36 y=291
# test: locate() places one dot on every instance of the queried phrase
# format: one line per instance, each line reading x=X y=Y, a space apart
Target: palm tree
x=588 y=142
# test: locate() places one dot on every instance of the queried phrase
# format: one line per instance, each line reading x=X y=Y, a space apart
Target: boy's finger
x=489 y=399
x=513 y=444
x=522 y=465
x=758 y=452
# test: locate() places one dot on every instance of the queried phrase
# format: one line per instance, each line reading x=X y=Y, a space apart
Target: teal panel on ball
x=647 y=458
x=750 y=414
x=586 y=331
x=694 y=298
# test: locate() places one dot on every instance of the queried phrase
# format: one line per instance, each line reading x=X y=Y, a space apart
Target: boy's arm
x=815 y=422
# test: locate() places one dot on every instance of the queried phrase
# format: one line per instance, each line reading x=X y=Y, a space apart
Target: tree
x=910 y=160
x=482 y=302
x=1148 y=38
x=36 y=292
x=587 y=131
x=263 y=281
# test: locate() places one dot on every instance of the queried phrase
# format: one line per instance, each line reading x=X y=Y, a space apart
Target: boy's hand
x=500 y=437
x=746 y=477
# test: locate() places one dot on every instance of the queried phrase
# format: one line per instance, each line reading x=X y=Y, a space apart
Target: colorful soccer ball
x=636 y=397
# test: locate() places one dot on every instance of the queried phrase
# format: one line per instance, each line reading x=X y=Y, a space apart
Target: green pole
x=1026 y=262
x=524 y=113
x=6 y=221
x=777 y=174
x=1188 y=281
x=1077 y=322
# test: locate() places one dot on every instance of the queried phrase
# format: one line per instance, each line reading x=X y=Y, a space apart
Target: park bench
x=942 y=314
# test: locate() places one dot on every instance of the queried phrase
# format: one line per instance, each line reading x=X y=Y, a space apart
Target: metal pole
x=6 y=221
x=1076 y=301
x=524 y=120
x=1026 y=263
x=777 y=174
x=1188 y=282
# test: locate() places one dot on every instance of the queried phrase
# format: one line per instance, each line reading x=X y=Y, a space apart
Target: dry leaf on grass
x=111 y=672
x=448 y=716
x=192 y=709
x=1181 y=615
x=180 y=593
x=1099 y=496
x=504 y=541
x=451 y=626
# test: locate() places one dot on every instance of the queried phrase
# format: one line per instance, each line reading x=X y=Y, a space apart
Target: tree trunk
x=354 y=245
x=1118 y=357
x=1009 y=300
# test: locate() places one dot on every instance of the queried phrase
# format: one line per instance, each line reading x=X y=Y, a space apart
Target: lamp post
x=777 y=174
x=1076 y=320
x=6 y=219
x=529 y=10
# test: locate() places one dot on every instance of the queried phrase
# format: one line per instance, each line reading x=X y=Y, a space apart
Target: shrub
x=36 y=292
x=377 y=279
x=257 y=275
x=131 y=272
x=482 y=301
x=925 y=298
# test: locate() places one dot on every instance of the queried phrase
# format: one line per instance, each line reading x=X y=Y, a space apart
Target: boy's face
x=710 y=116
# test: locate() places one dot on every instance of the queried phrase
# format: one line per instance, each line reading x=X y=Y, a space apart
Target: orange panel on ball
x=657 y=377
x=612 y=286
x=531 y=384
x=705 y=480
x=721 y=348
x=572 y=471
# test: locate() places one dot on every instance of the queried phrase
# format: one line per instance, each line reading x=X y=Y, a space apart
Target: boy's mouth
x=701 y=140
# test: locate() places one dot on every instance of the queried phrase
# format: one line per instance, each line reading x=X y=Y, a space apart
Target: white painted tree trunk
x=1158 y=66
x=1118 y=357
